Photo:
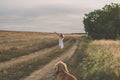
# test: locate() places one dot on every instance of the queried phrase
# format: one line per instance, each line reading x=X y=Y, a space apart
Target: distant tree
x=103 y=23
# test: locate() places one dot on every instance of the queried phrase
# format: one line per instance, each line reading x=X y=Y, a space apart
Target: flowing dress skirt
x=61 y=43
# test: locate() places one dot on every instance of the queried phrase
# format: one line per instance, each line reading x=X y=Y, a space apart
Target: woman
x=61 y=37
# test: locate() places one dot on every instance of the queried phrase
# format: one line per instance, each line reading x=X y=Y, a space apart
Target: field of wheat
x=23 y=55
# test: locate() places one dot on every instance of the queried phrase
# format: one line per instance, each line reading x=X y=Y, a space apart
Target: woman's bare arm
x=57 y=33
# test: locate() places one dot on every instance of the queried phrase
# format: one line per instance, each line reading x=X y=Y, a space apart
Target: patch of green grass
x=22 y=70
x=97 y=65
x=78 y=56
x=95 y=62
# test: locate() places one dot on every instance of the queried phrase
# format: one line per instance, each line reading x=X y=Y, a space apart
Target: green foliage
x=103 y=23
x=96 y=66
x=78 y=57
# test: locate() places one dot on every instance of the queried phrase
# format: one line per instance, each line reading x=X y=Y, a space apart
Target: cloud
x=47 y=15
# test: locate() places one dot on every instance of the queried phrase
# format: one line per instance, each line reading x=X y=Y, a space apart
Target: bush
x=103 y=23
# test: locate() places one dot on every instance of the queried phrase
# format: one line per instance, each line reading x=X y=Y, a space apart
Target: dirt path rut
x=48 y=69
x=25 y=58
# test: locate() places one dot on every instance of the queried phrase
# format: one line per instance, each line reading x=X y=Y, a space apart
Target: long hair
x=61 y=35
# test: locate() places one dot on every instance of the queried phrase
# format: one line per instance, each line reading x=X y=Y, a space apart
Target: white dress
x=61 y=42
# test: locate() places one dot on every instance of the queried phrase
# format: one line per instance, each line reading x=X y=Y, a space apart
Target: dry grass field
x=15 y=44
x=32 y=55
x=21 y=53
x=15 y=35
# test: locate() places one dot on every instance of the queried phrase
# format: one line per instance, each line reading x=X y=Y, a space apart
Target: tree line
x=103 y=23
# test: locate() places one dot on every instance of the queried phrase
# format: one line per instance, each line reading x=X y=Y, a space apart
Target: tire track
x=13 y=62
x=21 y=59
x=48 y=69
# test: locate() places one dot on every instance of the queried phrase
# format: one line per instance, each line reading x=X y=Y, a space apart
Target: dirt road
x=25 y=58
x=47 y=70
x=21 y=59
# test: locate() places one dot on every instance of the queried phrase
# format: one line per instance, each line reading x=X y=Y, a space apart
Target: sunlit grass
x=16 y=44
x=8 y=52
x=99 y=61
x=24 y=69
x=107 y=52
x=15 y=35
x=110 y=45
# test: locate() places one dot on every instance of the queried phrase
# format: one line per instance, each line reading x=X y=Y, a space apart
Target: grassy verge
x=103 y=61
x=78 y=57
x=97 y=60
x=21 y=70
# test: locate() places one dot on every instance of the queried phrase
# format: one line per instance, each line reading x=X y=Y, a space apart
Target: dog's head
x=60 y=67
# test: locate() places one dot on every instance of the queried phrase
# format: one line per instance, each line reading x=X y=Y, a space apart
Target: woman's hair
x=61 y=35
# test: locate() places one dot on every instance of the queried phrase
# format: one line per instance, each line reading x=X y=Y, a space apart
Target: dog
x=62 y=73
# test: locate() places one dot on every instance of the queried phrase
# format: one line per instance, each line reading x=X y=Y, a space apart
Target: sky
x=65 y=16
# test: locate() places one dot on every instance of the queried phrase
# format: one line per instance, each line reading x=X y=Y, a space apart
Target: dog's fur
x=62 y=72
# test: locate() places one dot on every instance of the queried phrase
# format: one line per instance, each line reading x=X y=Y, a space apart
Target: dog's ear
x=58 y=68
x=64 y=67
x=61 y=66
